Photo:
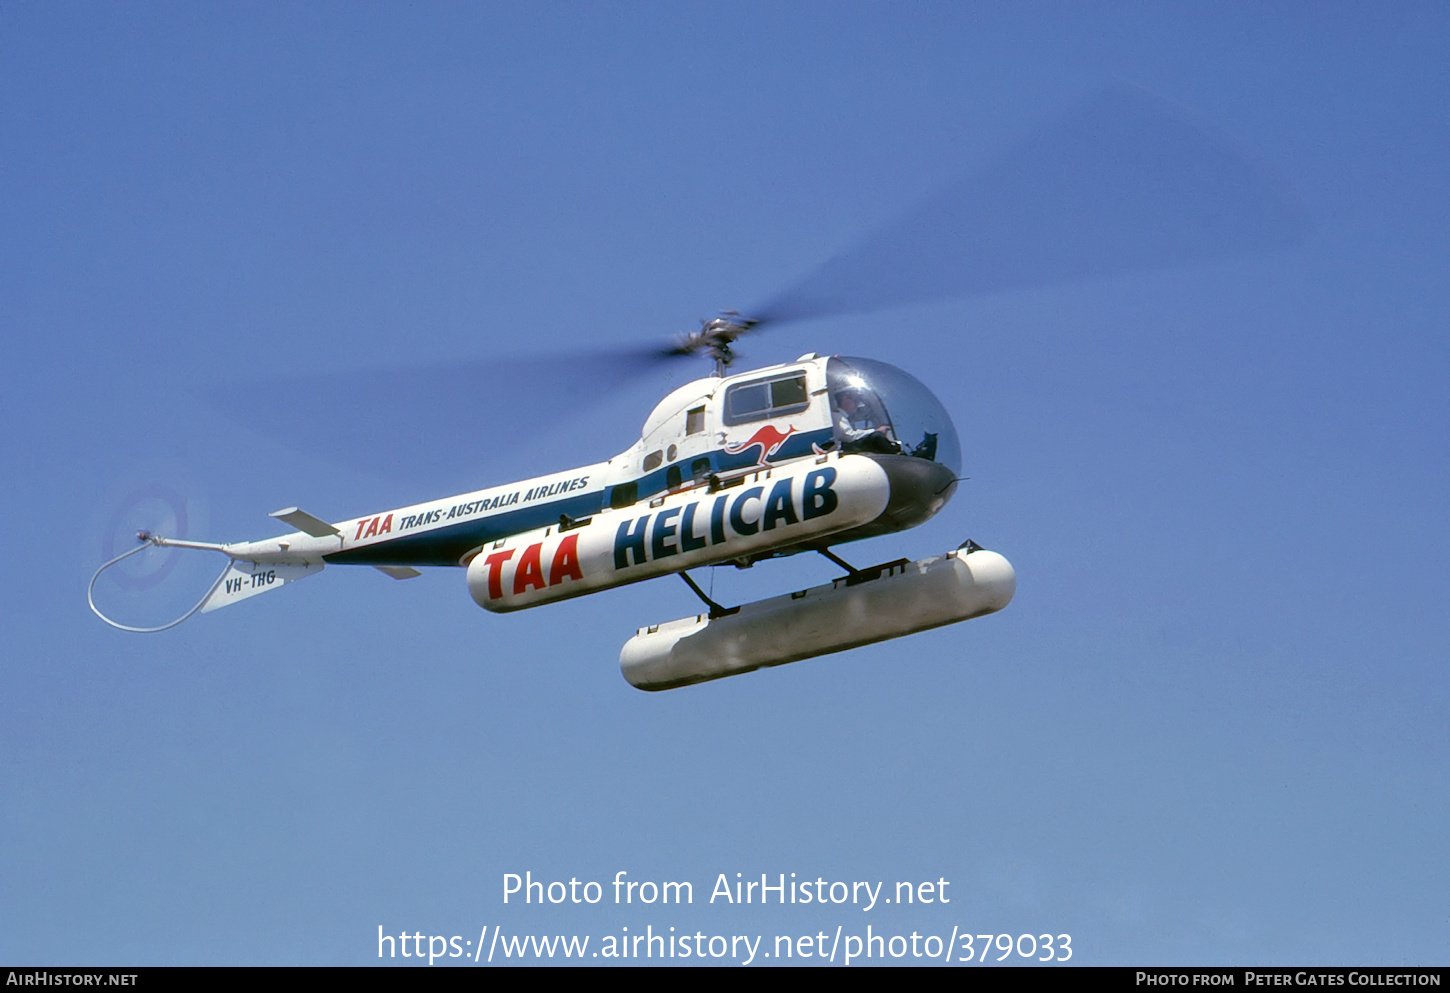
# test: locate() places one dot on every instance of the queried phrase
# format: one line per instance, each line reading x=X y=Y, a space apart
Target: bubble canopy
x=915 y=419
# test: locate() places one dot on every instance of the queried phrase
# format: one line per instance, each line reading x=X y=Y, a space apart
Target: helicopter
x=730 y=469
x=804 y=456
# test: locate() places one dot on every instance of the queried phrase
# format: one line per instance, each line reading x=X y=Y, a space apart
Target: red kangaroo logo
x=768 y=438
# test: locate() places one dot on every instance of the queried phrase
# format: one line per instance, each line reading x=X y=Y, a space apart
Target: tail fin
x=246 y=579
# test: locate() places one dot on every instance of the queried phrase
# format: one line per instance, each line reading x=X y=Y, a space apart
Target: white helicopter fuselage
x=728 y=470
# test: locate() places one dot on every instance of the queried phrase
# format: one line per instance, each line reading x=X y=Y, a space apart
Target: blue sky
x=1211 y=728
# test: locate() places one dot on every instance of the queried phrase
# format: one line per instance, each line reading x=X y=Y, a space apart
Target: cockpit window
x=877 y=408
x=766 y=398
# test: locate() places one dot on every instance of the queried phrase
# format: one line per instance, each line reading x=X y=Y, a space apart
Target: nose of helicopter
x=919 y=488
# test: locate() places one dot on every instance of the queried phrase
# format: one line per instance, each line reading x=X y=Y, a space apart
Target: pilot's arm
x=845 y=431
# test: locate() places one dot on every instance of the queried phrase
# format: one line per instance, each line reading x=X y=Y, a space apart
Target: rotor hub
x=715 y=338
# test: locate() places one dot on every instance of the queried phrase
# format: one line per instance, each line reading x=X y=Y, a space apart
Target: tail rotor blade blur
x=1125 y=182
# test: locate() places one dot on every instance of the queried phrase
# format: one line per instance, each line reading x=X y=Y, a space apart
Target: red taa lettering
x=566 y=561
x=495 y=572
x=374 y=525
x=529 y=572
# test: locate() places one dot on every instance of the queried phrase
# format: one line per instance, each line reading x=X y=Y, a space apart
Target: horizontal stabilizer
x=398 y=571
x=247 y=579
x=304 y=522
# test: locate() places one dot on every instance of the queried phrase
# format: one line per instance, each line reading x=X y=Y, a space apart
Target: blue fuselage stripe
x=445 y=546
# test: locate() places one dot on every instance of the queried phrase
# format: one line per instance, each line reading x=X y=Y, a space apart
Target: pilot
x=859 y=425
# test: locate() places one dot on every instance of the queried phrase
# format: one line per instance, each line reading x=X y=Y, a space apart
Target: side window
x=653 y=461
x=699 y=469
x=788 y=392
x=695 y=420
x=673 y=477
x=746 y=402
x=768 y=398
x=623 y=495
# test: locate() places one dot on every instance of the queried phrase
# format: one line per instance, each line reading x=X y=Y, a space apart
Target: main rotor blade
x=1125 y=182
x=436 y=424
